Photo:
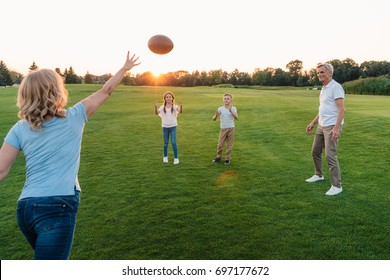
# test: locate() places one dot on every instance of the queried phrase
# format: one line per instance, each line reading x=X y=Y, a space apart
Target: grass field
x=260 y=207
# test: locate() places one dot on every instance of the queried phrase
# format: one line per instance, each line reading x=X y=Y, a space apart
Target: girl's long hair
x=42 y=93
x=165 y=102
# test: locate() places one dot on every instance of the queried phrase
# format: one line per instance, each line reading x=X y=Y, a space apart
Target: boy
x=228 y=113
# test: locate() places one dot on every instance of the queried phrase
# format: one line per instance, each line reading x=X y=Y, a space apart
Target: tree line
x=344 y=71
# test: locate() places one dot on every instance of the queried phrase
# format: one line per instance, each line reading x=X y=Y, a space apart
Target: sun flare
x=156 y=75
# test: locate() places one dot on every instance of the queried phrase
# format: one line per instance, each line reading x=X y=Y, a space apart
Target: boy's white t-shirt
x=169 y=118
x=227 y=119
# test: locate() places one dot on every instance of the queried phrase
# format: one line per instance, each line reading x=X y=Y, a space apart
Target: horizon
x=190 y=72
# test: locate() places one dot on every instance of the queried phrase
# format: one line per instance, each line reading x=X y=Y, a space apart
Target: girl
x=50 y=138
x=168 y=114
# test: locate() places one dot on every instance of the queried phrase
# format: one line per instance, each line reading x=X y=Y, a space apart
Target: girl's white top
x=169 y=118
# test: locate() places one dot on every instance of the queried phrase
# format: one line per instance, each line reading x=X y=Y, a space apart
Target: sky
x=95 y=35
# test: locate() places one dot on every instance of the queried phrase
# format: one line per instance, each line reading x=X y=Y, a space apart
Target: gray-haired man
x=330 y=120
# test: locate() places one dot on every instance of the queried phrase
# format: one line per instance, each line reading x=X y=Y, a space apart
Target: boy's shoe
x=315 y=178
x=165 y=160
x=217 y=159
x=334 y=190
x=176 y=161
x=227 y=162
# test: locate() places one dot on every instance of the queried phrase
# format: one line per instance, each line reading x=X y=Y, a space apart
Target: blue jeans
x=48 y=224
x=172 y=132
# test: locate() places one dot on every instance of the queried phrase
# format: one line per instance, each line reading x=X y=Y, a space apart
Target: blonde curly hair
x=41 y=94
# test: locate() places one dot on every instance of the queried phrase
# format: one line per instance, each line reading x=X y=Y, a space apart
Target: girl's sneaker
x=165 y=160
x=176 y=161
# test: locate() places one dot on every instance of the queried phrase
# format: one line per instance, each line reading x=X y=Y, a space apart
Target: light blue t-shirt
x=52 y=154
x=227 y=119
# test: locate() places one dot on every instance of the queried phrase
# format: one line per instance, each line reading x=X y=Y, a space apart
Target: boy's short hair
x=228 y=94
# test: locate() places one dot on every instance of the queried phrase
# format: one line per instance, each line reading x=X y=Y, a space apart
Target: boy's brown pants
x=226 y=135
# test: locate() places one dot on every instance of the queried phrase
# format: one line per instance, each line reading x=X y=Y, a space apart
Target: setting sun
x=156 y=75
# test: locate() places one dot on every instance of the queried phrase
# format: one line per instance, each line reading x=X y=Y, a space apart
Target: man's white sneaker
x=334 y=190
x=165 y=160
x=315 y=178
x=176 y=161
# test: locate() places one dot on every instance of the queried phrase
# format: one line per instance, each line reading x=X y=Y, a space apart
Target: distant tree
x=224 y=77
x=346 y=70
x=145 y=79
x=304 y=79
x=172 y=78
x=262 y=77
x=33 y=67
x=5 y=75
x=313 y=79
x=351 y=69
x=215 y=77
x=88 y=78
x=104 y=78
x=58 y=70
x=280 y=78
x=187 y=80
x=374 y=68
x=128 y=80
x=203 y=78
x=196 y=78
x=234 y=76
x=65 y=73
x=244 y=79
x=181 y=73
x=71 y=77
x=258 y=77
x=16 y=77
x=295 y=70
x=161 y=79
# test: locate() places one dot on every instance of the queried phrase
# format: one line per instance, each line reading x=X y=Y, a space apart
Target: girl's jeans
x=172 y=132
x=48 y=224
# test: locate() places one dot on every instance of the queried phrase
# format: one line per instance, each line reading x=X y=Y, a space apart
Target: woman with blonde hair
x=50 y=138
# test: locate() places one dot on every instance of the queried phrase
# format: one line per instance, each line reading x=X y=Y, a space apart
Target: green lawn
x=260 y=207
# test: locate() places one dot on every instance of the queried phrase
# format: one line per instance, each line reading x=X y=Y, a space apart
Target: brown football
x=160 y=44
